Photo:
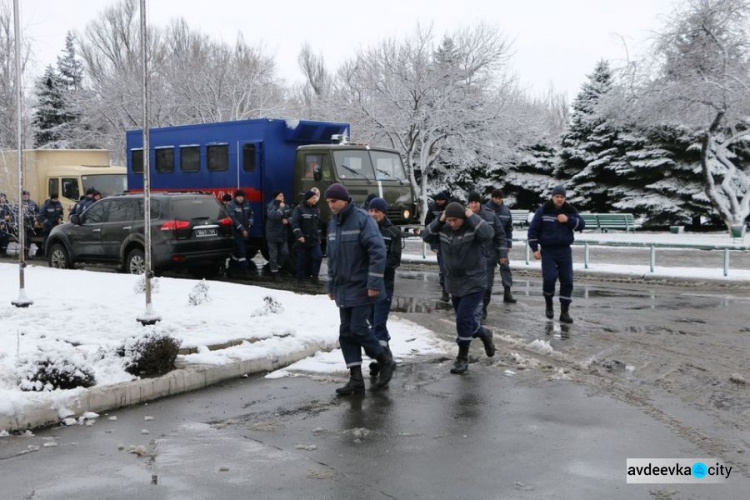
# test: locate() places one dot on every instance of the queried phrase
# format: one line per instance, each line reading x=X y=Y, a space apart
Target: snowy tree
x=588 y=145
x=50 y=115
x=8 y=93
x=702 y=81
x=416 y=98
x=69 y=67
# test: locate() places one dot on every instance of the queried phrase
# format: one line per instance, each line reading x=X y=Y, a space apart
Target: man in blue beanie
x=552 y=227
x=378 y=208
x=356 y=267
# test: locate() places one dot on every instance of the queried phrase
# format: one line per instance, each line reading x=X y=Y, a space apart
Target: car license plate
x=206 y=232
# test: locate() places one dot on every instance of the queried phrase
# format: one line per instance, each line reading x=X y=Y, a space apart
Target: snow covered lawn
x=86 y=316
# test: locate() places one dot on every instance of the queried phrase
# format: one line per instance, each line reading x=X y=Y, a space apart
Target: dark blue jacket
x=306 y=222
x=464 y=260
x=506 y=219
x=434 y=211
x=545 y=230
x=241 y=215
x=392 y=238
x=497 y=248
x=30 y=213
x=276 y=230
x=82 y=205
x=50 y=213
x=356 y=257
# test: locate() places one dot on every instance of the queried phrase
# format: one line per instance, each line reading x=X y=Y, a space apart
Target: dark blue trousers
x=467 y=324
x=308 y=261
x=240 y=250
x=355 y=334
x=380 y=311
x=441 y=266
x=557 y=262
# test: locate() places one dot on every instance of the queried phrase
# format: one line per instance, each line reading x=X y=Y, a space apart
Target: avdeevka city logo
x=699 y=470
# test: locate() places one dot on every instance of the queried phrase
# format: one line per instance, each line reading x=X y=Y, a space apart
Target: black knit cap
x=498 y=193
x=455 y=210
x=275 y=194
x=309 y=195
x=558 y=190
x=239 y=192
x=226 y=197
x=474 y=196
x=442 y=195
x=337 y=192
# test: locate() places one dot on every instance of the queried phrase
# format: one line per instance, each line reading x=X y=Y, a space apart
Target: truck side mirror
x=75 y=219
x=317 y=173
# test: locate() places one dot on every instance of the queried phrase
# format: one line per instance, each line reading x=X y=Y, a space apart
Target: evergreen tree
x=588 y=146
x=530 y=176
x=51 y=115
x=69 y=67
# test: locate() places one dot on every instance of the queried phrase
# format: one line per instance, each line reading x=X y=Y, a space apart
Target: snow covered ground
x=85 y=316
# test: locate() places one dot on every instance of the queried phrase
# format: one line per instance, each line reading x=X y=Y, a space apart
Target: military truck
x=265 y=155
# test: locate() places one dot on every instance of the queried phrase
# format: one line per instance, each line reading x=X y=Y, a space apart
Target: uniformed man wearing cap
x=242 y=218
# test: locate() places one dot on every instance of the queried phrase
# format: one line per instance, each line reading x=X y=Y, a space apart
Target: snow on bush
x=140 y=285
x=270 y=306
x=151 y=354
x=199 y=294
x=52 y=367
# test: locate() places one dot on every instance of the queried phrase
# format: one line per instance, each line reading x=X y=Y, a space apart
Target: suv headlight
x=406 y=214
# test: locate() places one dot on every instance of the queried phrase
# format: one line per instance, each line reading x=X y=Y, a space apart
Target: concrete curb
x=608 y=276
x=190 y=378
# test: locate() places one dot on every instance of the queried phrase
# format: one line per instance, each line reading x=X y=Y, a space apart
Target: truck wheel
x=58 y=257
x=135 y=262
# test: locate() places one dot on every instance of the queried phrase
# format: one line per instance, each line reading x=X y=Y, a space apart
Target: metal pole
x=149 y=317
x=586 y=255
x=528 y=249
x=726 y=262
x=652 y=260
x=22 y=300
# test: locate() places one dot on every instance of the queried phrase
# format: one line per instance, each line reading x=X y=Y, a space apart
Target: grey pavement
x=433 y=435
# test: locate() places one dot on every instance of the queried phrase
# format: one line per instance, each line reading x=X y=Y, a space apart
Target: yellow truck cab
x=67 y=172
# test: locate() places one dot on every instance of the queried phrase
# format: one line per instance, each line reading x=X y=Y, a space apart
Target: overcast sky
x=554 y=41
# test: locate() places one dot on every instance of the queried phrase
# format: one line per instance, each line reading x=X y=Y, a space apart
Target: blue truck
x=265 y=155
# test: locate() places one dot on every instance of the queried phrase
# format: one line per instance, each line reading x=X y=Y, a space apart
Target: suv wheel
x=135 y=262
x=58 y=257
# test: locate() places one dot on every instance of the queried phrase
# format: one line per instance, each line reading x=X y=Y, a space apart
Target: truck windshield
x=106 y=184
x=387 y=166
x=353 y=164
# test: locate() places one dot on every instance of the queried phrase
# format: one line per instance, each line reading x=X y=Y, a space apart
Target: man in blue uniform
x=50 y=215
x=378 y=208
x=434 y=211
x=356 y=267
x=552 y=227
x=463 y=235
x=242 y=218
x=306 y=228
x=497 y=205
x=278 y=216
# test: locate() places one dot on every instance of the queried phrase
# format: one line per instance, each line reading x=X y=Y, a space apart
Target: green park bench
x=605 y=222
x=520 y=217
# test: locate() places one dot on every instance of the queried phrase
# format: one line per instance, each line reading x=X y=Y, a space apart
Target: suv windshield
x=106 y=184
x=387 y=166
x=197 y=208
x=353 y=164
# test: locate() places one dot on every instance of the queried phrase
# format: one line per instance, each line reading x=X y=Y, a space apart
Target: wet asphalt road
x=431 y=436
x=435 y=435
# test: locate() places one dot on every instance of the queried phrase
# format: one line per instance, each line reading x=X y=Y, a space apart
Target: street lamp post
x=149 y=317
x=22 y=300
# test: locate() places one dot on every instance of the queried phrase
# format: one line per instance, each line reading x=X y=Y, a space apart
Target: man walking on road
x=356 y=266
x=392 y=239
x=462 y=235
x=242 y=217
x=552 y=227
x=497 y=205
x=496 y=250
x=278 y=216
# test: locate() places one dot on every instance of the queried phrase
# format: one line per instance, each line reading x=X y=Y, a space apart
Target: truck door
x=250 y=180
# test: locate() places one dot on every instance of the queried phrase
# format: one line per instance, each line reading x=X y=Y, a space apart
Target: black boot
x=445 y=297
x=549 y=311
x=486 y=338
x=507 y=297
x=386 y=366
x=462 y=360
x=375 y=367
x=564 y=316
x=356 y=384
